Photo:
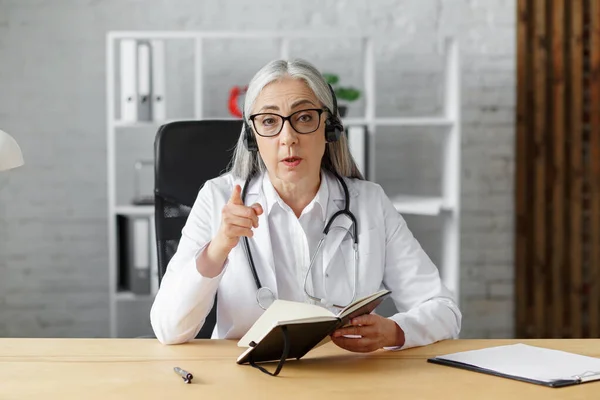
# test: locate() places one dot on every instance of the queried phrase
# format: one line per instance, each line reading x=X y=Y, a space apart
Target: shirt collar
x=272 y=197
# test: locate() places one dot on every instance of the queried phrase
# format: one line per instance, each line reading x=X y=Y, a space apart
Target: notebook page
x=283 y=310
x=530 y=362
x=357 y=304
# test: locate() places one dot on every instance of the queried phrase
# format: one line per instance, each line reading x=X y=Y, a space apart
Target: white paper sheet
x=531 y=362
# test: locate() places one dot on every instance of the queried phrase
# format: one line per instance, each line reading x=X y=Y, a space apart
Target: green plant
x=342 y=93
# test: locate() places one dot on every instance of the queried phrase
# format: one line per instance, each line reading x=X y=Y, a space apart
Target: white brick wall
x=53 y=262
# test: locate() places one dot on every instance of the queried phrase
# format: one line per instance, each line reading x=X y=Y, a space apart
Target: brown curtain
x=557 y=222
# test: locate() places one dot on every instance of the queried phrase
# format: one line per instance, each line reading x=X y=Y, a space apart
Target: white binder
x=128 y=87
x=140 y=263
x=158 y=100
x=153 y=258
x=144 y=109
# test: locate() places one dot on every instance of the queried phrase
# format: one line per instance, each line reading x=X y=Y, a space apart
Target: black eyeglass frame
x=289 y=119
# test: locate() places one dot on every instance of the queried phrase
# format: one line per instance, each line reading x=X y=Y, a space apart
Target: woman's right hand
x=237 y=220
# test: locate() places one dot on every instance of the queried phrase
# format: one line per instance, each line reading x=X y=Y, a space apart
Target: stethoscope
x=265 y=296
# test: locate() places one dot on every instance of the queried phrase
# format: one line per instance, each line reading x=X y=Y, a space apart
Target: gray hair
x=337 y=157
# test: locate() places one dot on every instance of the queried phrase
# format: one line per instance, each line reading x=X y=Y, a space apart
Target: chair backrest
x=187 y=154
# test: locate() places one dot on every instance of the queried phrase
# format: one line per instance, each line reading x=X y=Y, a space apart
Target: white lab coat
x=389 y=256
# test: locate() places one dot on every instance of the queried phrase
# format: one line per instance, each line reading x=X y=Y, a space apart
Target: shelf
x=158 y=124
x=404 y=204
x=399 y=121
x=129 y=296
x=236 y=34
x=134 y=210
x=419 y=121
x=419 y=205
x=142 y=124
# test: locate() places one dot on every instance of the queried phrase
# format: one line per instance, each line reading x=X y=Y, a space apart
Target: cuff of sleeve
x=193 y=272
x=398 y=319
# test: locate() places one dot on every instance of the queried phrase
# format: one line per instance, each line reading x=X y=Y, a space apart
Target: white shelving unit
x=134 y=210
x=446 y=206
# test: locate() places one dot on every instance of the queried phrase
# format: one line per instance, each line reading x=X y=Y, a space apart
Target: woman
x=284 y=186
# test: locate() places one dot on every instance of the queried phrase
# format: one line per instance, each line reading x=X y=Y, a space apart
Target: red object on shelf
x=234 y=97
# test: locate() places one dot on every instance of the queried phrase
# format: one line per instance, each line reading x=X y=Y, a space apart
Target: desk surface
x=143 y=369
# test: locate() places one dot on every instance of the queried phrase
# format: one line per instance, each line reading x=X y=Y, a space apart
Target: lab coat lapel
x=340 y=226
x=260 y=243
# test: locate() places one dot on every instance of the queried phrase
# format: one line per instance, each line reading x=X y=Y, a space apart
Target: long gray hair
x=337 y=157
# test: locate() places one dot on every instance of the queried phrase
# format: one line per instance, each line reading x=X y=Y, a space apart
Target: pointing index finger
x=236 y=197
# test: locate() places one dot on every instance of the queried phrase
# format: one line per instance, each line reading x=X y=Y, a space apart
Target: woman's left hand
x=376 y=332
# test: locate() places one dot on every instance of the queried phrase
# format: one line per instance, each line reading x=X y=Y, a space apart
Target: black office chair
x=187 y=154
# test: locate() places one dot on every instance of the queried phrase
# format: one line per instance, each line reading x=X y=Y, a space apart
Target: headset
x=333 y=126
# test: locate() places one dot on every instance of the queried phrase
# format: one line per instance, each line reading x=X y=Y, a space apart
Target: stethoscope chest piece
x=265 y=297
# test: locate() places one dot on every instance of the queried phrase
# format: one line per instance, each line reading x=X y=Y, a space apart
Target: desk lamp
x=10 y=152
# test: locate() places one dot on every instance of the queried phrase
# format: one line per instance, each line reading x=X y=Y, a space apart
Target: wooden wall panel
x=557 y=255
x=557 y=183
x=540 y=65
x=575 y=20
x=593 y=110
x=523 y=193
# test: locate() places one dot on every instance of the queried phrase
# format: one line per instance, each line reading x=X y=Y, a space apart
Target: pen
x=186 y=376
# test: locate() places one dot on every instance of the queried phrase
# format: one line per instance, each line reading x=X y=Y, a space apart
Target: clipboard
x=525 y=363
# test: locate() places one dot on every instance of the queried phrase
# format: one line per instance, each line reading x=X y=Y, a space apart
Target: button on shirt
x=294 y=241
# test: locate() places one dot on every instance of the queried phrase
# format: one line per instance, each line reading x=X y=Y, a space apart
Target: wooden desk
x=143 y=369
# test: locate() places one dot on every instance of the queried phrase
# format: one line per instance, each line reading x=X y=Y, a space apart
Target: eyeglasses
x=303 y=121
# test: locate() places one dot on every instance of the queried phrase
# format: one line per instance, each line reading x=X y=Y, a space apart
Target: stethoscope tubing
x=346 y=211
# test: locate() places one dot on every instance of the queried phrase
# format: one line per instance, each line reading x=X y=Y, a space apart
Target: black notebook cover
x=303 y=336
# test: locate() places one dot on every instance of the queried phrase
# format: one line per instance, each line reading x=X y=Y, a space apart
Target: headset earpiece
x=333 y=125
x=249 y=139
x=333 y=129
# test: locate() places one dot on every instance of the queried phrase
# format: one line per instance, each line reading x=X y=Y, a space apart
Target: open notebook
x=527 y=363
x=289 y=329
